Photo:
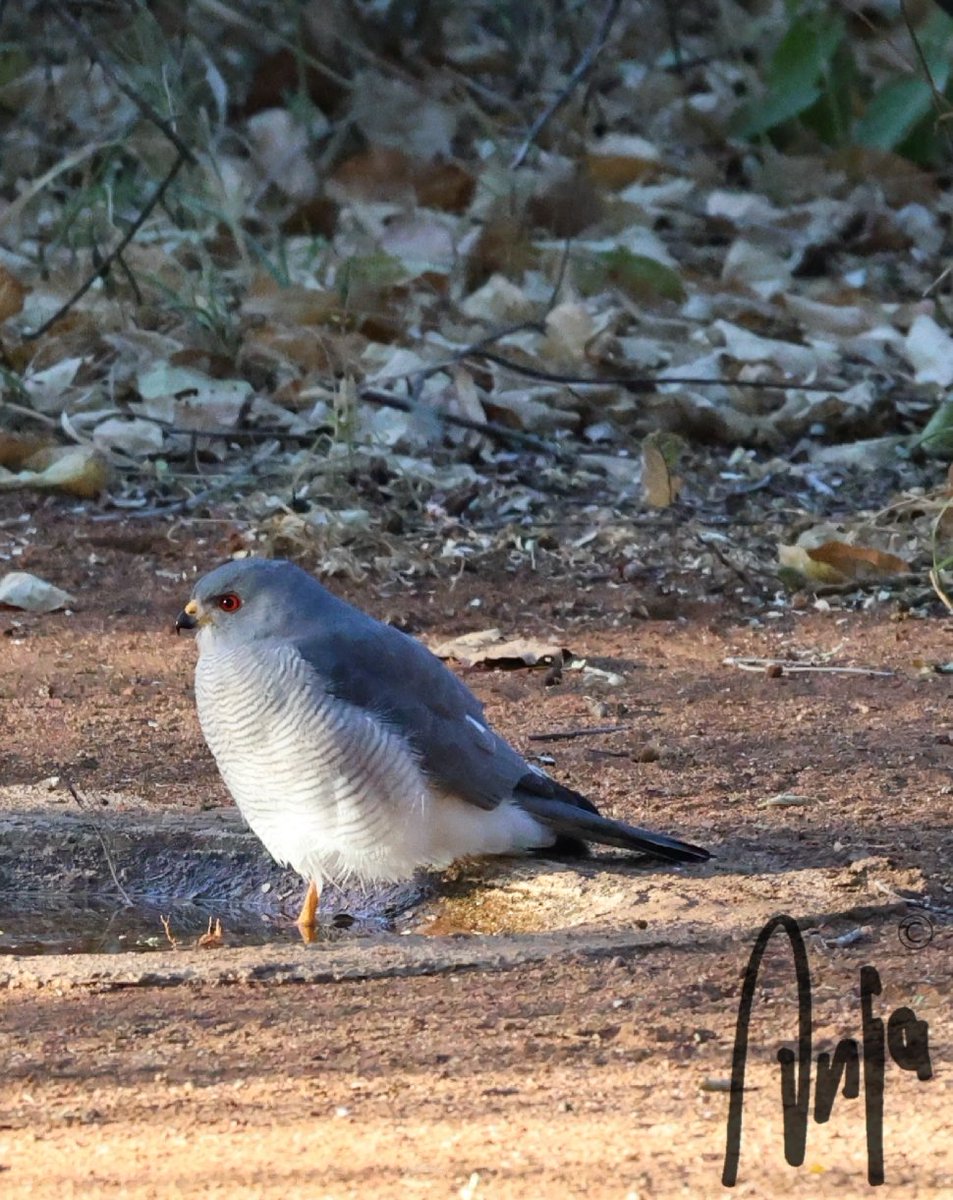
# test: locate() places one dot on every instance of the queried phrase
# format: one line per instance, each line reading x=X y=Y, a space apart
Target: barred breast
x=328 y=787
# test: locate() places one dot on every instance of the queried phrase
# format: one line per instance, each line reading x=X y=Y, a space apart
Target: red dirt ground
x=570 y=1033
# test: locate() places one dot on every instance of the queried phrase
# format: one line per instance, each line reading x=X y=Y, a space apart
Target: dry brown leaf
x=12 y=292
x=660 y=485
x=294 y=305
x=504 y=248
x=214 y=936
x=318 y=216
x=567 y=207
x=858 y=562
x=620 y=159
x=446 y=186
x=387 y=173
x=77 y=470
x=17 y=448
x=901 y=181
x=797 y=559
x=321 y=352
x=484 y=646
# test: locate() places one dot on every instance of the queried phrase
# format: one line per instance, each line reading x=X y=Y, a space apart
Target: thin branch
x=640 y=385
x=579 y=72
x=793 y=668
x=113 y=255
x=474 y=350
x=489 y=428
x=561 y=735
x=88 y=42
x=102 y=841
x=939 y=589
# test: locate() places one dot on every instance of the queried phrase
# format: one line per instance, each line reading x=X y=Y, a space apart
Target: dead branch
x=70 y=787
x=562 y=735
x=489 y=428
x=170 y=936
x=792 y=668
x=640 y=384
x=939 y=589
x=582 y=68
x=113 y=255
x=88 y=42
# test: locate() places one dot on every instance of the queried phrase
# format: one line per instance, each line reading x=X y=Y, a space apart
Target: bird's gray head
x=252 y=598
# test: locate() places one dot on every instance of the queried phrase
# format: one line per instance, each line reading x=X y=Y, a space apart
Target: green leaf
x=638 y=276
x=937 y=435
x=894 y=112
x=796 y=76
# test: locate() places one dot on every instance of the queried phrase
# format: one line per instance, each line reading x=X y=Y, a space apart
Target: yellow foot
x=309 y=911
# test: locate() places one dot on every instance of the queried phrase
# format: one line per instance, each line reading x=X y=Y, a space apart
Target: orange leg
x=309 y=911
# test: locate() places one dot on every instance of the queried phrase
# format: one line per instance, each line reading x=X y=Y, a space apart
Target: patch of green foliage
x=815 y=80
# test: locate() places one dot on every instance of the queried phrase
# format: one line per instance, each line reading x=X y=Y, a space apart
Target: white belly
x=328 y=787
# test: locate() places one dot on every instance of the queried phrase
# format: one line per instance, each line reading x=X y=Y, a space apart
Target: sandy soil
x=529 y=1029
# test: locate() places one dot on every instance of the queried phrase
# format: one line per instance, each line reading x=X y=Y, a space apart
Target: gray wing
x=377 y=668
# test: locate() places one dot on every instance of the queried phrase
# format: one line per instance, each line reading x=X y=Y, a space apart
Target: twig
x=102 y=841
x=489 y=428
x=560 y=275
x=639 y=384
x=792 y=668
x=170 y=936
x=188 y=502
x=712 y=547
x=578 y=73
x=88 y=42
x=22 y=411
x=475 y=348
x=938 y=588
x=113 y=255
x=562 y=735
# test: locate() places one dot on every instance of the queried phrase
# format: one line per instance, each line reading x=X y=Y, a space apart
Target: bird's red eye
x=229 y=602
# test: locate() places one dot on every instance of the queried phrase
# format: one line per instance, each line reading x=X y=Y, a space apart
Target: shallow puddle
x=38 y=926
x=65 y=882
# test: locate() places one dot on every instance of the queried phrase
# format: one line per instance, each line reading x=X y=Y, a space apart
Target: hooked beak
x=187 y=618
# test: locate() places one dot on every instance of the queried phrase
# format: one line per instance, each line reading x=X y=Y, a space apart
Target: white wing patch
x=485 y=739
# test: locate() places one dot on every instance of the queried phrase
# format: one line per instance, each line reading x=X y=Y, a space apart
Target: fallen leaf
x=660 y=453
x=638 y=276
x=929 y=350
x=183 y=397
x=17 y=448
x=619 y=159
x=797 y=561
x=77 y=470
x=836 y=562
x=485 y=647
x=281 y=149
x=134 y=437
x=20 y=589
x=858 y=562
x=391 y=112
x=12 y=293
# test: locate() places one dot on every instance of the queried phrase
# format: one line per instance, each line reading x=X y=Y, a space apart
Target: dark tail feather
x=573 y=817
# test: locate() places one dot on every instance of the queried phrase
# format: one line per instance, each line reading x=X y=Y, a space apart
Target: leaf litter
x=406 y=355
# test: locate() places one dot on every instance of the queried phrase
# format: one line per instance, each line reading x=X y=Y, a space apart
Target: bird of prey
x=354 y=753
